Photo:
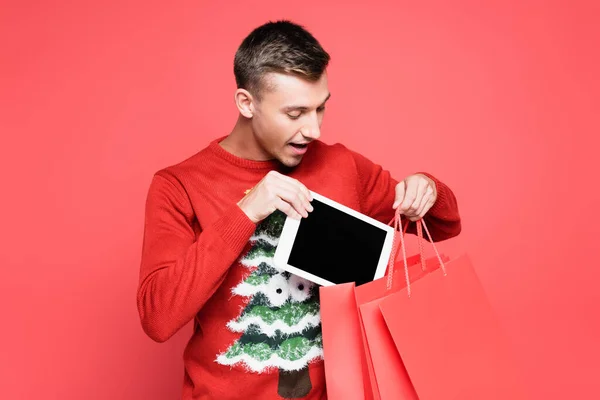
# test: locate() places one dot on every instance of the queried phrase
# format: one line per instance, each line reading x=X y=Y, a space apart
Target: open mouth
x=299 y=146
x=299 y=149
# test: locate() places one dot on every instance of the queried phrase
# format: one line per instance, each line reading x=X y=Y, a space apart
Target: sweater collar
x=220 y=152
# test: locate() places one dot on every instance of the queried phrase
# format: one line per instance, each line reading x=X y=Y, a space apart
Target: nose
x=312 y=129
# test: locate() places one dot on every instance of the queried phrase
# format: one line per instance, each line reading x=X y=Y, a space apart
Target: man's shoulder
x=335 y=148
x=335 y=152
x=191 y=164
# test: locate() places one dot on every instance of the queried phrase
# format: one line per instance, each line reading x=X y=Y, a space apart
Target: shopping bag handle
x=420 y=241
x=399 y=242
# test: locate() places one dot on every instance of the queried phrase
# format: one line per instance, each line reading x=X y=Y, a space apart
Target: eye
x=295 y=116
x=321 y=109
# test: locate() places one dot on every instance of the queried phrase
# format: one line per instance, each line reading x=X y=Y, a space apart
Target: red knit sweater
x=256 y=329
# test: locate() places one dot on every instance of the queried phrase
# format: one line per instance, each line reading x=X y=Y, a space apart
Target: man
x=210 y=216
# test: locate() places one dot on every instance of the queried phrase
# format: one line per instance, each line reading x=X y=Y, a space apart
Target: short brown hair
x=280 y=46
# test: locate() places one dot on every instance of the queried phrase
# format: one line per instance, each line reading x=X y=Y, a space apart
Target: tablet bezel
x=290 y=229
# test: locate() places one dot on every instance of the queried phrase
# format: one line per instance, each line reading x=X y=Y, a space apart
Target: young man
x=212 y=223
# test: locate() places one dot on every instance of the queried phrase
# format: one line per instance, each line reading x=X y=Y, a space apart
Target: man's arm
x=178 y=273
x=377 y=191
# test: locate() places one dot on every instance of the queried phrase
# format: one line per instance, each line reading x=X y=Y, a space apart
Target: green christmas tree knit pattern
x=281 y=323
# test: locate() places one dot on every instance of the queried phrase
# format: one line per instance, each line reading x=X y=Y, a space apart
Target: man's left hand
x=415 y=195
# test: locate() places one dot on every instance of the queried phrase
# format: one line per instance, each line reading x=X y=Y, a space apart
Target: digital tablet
x=334 y=244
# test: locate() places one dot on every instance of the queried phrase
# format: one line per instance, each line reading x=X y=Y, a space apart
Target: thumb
x=400 y=190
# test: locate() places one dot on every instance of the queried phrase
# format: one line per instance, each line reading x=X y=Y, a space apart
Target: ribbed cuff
x=235 y=228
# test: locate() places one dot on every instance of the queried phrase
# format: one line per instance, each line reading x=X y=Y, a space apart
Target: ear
x=244 y=102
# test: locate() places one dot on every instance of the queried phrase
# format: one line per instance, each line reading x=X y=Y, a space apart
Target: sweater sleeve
x=377 y=192
x=178 y=273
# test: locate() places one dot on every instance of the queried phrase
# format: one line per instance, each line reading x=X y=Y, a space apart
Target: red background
x=498 y=100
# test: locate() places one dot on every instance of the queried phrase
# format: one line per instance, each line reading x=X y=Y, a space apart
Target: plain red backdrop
x=500 y=100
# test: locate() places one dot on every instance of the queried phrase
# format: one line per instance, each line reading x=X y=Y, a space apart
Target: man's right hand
x=276 y=192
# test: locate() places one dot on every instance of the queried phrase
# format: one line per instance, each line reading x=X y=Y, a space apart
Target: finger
x=303 y=193
x=297 y=185
x=287 y=209
x=422 y=210
x=295 y=198
x=300 y=186
x=400 y=190
x=420 y=199
x=414 y=193
x=421 y=189
x=427 y=197
x=427 y=207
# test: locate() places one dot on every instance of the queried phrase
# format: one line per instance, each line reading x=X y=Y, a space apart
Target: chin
x=290 y=162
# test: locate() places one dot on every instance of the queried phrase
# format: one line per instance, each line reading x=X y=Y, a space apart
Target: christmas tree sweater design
x=281 y=322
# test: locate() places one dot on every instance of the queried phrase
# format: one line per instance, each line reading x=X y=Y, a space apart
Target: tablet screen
x=337 y=246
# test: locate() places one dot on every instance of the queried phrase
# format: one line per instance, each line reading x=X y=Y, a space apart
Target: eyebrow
x=302 y=108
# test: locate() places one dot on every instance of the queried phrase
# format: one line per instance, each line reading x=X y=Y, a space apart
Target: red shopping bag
x=387 y=376
x=349 y=370
x=449 y=339
x=346 y=358
x=342 y=344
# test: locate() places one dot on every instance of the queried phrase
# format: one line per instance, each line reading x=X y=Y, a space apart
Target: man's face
x=288 y=117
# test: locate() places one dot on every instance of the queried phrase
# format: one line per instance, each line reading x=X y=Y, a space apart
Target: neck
x=241 y=142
